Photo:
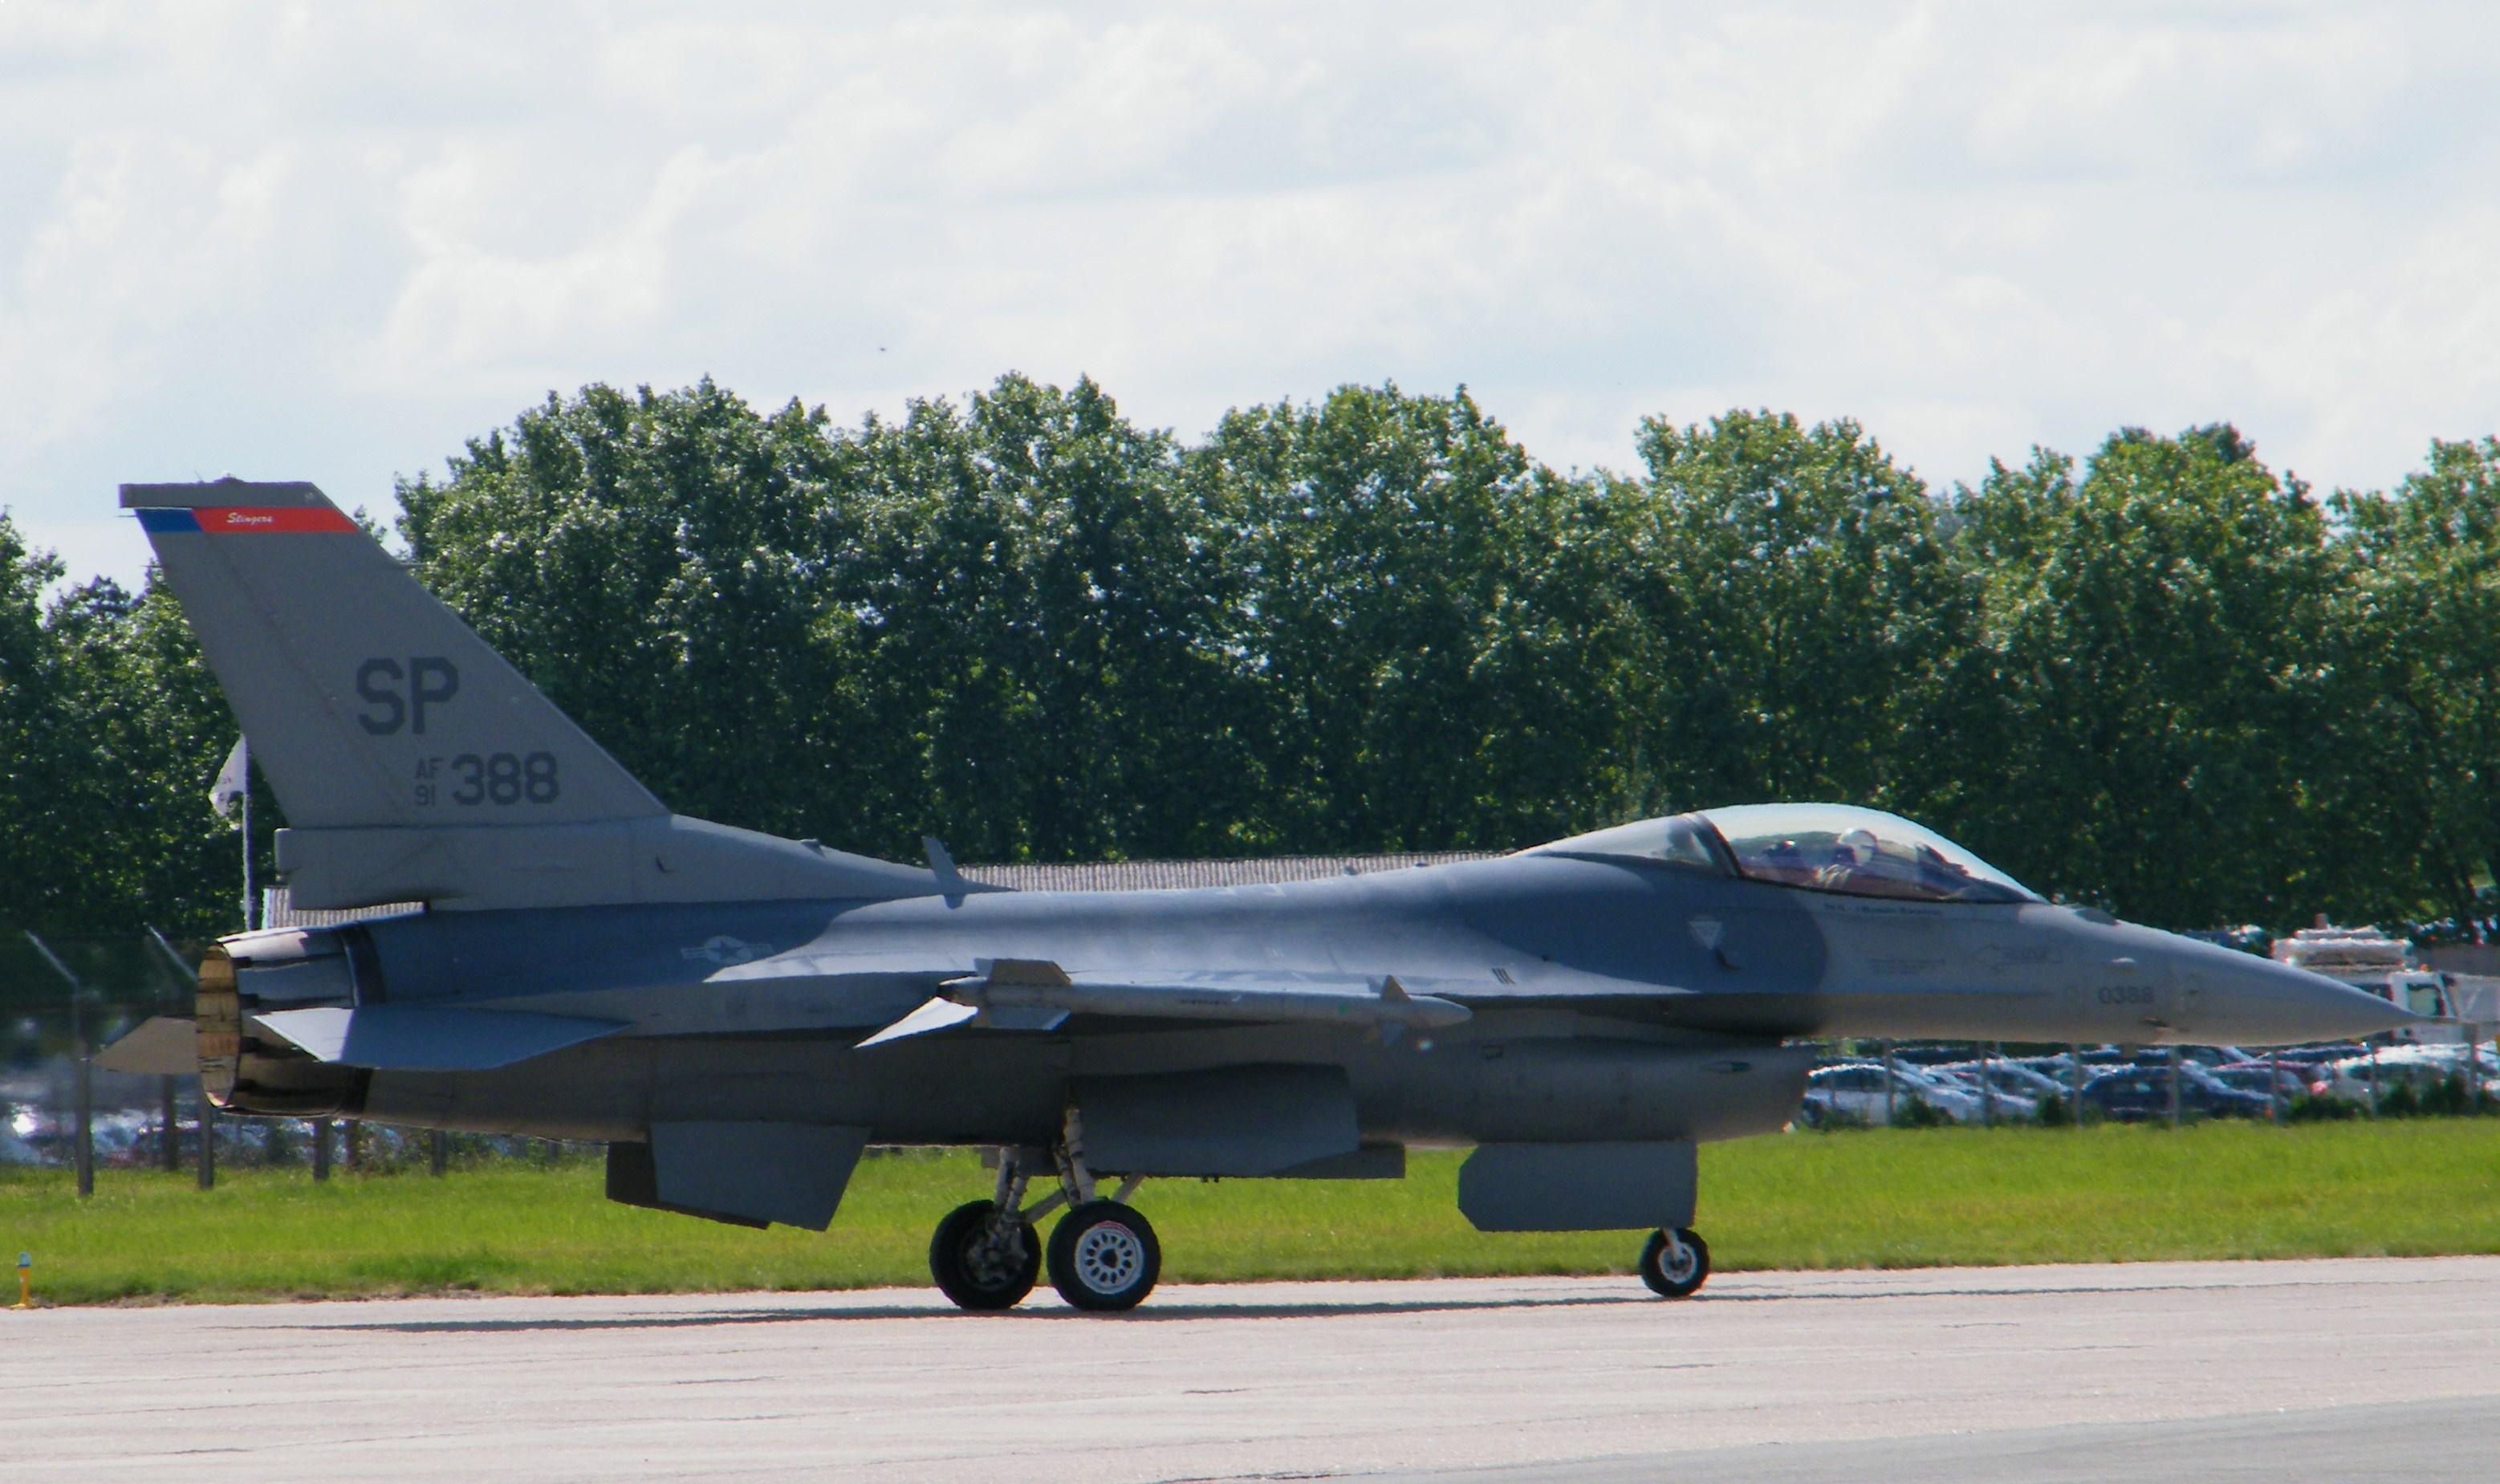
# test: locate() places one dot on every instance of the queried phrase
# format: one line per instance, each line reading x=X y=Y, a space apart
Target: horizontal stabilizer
x=163 y=1046
x=409 y=1037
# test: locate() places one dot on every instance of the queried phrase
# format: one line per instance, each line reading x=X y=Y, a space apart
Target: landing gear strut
x=1102 y=1256
x=1675 y=1264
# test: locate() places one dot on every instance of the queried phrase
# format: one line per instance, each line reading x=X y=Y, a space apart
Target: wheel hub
x=1677 y=1262
x=991 y=1259
x=1108 y=1258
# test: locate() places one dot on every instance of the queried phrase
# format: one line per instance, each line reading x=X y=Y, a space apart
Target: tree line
x=2162 y=678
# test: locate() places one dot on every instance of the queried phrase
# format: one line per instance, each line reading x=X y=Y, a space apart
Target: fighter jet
x=738 y=1016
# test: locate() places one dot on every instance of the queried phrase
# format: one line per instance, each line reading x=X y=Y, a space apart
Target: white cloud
x=335 y=241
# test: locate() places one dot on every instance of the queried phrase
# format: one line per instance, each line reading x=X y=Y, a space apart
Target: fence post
x=2075 y=1080
x=83 y=1154
x=320 y=1148
x=442 y=1151
x=1892 y=1095
x=2174 y=1087
x=208 y=1163
x=169 y=1125
x=354 y=1139
x=2274 y=1085
x=85 y=1121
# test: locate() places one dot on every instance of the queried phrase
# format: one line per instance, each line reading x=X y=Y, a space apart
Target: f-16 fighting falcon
x=738 y=1016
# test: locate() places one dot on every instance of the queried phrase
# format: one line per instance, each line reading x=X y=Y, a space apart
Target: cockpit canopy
x=1832 y=847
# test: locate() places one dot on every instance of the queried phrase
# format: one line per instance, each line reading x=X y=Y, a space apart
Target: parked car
x=2137 y=1093
x=2363 y=1078
x=2291 y=1079
x=2194 y=1056
x=1856 y=1090
x=1933 y=1053
x=2318 y=1055
x=2010 y=1077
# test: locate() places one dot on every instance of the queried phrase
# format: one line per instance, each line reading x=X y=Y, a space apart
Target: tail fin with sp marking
x=412 y=761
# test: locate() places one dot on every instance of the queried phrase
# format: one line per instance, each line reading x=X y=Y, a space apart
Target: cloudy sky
x=332 y=242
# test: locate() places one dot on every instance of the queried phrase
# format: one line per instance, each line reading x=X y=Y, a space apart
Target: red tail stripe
x=256 y=519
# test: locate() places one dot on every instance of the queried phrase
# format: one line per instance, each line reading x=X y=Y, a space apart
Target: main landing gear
x=1102 y=1256
x=1675 y=1264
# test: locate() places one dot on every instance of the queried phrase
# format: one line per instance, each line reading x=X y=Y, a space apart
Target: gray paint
x=1226 y=1121
x=1611 y=1186
x=789 y=1173
x=1573 y=1009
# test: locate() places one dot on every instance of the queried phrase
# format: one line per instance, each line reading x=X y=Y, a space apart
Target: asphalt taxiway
x=2380 y=1367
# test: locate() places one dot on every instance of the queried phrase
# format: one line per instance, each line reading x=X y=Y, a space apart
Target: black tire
x=969 y=1271
x=1103 y=1257
x=1687 y=1275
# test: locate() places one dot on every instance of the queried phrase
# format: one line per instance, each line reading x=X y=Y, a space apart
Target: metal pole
x=320 y=1148
x=85 y=1122
x=84 y=1153
x=2075 y=1082
x=442 y=1151
x=2174 y=1087
x=246 y=833
x=355 y=1144
x=170 y=1125
x=207 y=1166
x=1987 y=1083
x=2274 y=1085
x=1891 y=1099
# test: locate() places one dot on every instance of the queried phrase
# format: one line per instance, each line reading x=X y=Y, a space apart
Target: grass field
x=1873 y=1199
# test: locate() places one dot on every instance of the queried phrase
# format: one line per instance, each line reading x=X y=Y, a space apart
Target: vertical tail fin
x=414 y=763
x=369 y=704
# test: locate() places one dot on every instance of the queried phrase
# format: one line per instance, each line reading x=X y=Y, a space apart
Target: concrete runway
x=2387 y=1369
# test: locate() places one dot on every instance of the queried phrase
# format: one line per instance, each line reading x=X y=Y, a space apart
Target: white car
x=2010 y=1077
x=1855 y=1090
x=2423 y=1066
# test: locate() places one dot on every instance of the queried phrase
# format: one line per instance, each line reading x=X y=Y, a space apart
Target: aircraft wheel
x=977 y=1270
x=1103 y=1257
x=1675 y=1265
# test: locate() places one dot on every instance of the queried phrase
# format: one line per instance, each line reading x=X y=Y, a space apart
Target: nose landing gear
x=1675 y=1264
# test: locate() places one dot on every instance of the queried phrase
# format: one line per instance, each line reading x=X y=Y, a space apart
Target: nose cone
x=2243 y=1000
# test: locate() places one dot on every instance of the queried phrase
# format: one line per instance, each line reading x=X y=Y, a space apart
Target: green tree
x=2146 y=693
x=37 y=735
x=1797 y=606
x=2420 y=617
x=156 y=729
x=1432 y=620
x=1041 y=617
x=642 y=559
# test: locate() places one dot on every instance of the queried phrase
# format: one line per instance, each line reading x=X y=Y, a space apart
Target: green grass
x=1876 y=1199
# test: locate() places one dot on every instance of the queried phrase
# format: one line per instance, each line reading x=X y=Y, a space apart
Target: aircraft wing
x=1038 y=995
